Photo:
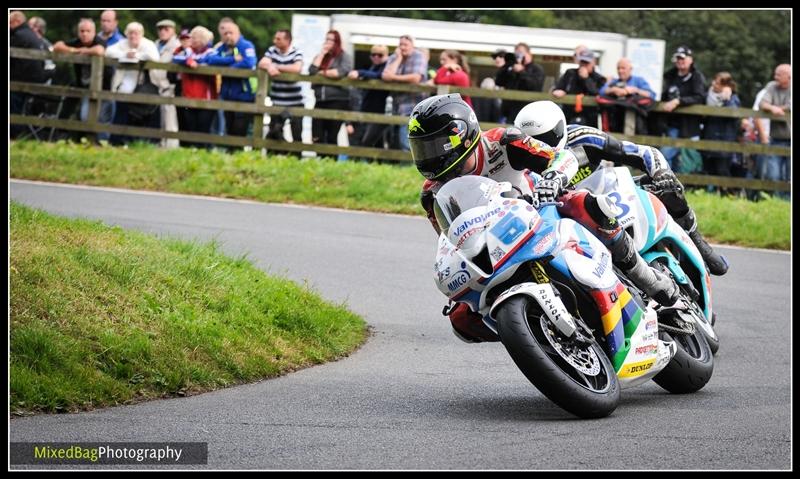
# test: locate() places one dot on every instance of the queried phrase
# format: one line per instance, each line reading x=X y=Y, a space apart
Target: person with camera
x=683 y=85
x=517 y=72
x=584 y=80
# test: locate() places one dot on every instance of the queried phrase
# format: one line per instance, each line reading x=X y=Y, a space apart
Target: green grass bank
x=351 y=185
x=101 y=316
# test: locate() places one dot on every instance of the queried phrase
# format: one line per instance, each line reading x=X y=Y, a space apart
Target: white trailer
x=552 y=48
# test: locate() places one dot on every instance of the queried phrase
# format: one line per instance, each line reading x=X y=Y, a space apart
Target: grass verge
x=765 y=224
x=352 y=185
x=101 y=316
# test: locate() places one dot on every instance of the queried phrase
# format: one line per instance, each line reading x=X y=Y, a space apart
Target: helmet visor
x=432 y=154
x=552 y=137
x=437 y=155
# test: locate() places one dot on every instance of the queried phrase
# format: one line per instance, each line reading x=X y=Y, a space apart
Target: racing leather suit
x=590 y=146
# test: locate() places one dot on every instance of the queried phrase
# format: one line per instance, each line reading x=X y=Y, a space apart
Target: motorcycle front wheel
x=577 y=377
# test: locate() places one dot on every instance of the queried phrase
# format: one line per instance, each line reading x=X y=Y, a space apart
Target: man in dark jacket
x=584 y=80
x=373 y=101
x=23 y=70
x=522 y=74
x=683 y=85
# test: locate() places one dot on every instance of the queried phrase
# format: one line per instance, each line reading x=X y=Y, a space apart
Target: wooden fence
x=258 y=109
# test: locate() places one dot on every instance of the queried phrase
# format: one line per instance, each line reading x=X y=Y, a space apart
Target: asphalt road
x=414 y=397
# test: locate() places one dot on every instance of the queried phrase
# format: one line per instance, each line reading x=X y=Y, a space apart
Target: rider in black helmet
x=442 y=132
x=446 y=142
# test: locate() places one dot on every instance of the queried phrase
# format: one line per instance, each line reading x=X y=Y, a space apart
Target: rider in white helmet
x=544 y=120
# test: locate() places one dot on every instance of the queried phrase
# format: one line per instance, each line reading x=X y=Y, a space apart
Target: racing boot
x=717 y=265
x=656 y=284
x=469 y=326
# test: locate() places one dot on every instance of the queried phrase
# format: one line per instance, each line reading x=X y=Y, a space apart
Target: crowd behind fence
x=50 y=121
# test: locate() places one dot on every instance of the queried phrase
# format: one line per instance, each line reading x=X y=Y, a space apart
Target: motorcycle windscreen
x=461 y=194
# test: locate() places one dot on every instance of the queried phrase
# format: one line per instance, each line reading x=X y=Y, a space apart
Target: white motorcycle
x=517 y=267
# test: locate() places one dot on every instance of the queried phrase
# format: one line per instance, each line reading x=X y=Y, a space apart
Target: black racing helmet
x=442 y=131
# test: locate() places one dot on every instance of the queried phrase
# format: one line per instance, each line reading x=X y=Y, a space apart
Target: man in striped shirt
x=282 y=57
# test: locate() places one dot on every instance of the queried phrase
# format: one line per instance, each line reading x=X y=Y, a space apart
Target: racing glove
x=550 y=187
x=665 y=180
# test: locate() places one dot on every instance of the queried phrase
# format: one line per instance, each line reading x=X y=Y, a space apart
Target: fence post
x=442 y=89
x=630 y=122
x=95 y=86
x=261 y=95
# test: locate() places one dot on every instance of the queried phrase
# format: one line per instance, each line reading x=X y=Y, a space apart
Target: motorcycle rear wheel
x=691 y=367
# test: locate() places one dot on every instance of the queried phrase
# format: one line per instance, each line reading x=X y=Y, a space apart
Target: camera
x=673 y=92
x=510 y=59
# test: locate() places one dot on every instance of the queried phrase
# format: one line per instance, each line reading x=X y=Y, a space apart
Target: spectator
x=185 y=43
x=520 y=74
x=218 y=123
x=373 y=101
x=683 y=85
x=454 y=71
x=109 y=31
x=330 y=62
x=778 y=101
x=630 y=91
x=166 y=44
x=584 y=80
x=221 y=30
x=722 y=93
x=198 y=87
x=133 y=49
x=235 y=52
x=426 y=55
x=760 y=127
x=627 y=83
x=89 y=43
x=487 y=109
x=502 y=58
x=110 y=34
x=746 y=169
x=282 y=57
x=39 y=27
x=22 y=36
x=405 y=65
x=22 y=70
x=185 y=38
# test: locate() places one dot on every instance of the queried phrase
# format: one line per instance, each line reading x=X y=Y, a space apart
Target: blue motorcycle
x=525 y=270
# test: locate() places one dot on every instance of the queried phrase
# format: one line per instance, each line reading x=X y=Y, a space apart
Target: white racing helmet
x=543 y=120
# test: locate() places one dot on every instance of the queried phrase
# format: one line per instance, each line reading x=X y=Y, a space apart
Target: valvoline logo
x=474 y=221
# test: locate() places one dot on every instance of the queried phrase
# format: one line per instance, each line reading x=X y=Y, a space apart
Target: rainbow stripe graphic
x=620 y=316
